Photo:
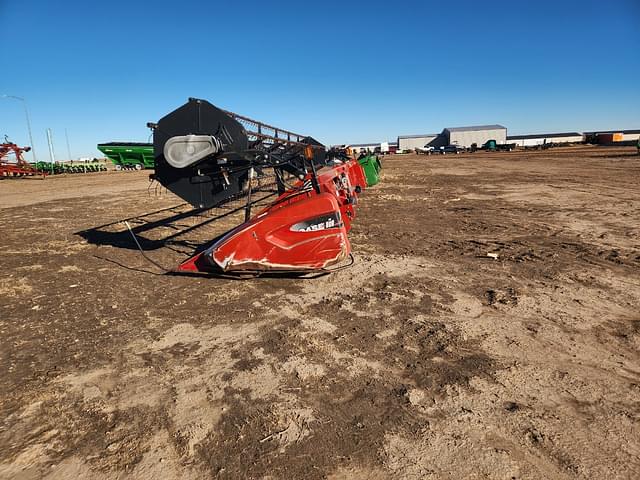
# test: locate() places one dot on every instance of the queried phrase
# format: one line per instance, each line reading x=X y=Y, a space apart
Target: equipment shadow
x=105 y=235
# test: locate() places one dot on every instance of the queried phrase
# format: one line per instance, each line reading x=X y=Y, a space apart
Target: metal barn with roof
x=411 y=142
x=542 y=138
x=364 y=147
x=632 y=135
x=478 y=134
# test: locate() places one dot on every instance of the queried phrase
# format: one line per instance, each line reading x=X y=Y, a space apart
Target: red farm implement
x=12 y=162
x=208 y=156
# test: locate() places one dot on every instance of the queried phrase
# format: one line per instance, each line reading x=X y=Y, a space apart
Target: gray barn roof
x=612 y=131
x=374 y=144
x=543 y=135
x=475 y=128
x=419 y=136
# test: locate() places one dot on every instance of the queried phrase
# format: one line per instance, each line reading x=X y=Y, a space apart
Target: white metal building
x=478 y=134
x=542 y=138
x=630 y=135
x=627 y=135
x=371 y=147
x=364 y=147
x=411 y=142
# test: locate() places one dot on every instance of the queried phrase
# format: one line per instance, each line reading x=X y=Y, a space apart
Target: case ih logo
x=319 y=223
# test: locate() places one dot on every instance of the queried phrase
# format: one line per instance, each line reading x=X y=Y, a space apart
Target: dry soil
x=490 y=328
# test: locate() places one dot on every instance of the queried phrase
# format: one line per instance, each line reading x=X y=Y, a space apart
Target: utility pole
x=51 y=154
x=26 y=113
x=66 y=134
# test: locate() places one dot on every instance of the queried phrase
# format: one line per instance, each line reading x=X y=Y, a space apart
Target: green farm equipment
x=493 y=146
x=59 y=168
x=129 y=156
x=371 y=166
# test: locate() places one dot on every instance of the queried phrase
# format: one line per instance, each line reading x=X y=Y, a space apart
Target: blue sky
x=342 y=71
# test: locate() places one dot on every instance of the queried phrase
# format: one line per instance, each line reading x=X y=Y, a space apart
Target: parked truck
x=493 y=146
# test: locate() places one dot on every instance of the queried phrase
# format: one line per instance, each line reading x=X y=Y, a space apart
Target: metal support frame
x=276 y=135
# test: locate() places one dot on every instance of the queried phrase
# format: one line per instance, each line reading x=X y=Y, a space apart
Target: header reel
x=204 y=154
x=208 y=156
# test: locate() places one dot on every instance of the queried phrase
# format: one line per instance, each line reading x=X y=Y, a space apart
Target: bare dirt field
x=426 y=359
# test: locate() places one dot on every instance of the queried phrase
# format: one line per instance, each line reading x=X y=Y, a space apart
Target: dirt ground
x=426 y=359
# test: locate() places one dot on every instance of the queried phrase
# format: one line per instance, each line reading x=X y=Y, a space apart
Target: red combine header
x=208 y=156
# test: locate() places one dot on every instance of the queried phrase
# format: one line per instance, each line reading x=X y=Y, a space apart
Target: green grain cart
x=128 y=155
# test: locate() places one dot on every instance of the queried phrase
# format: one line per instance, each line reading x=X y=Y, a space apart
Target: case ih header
x=208 y=156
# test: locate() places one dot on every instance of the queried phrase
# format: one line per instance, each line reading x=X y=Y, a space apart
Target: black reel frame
x=238 y=150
